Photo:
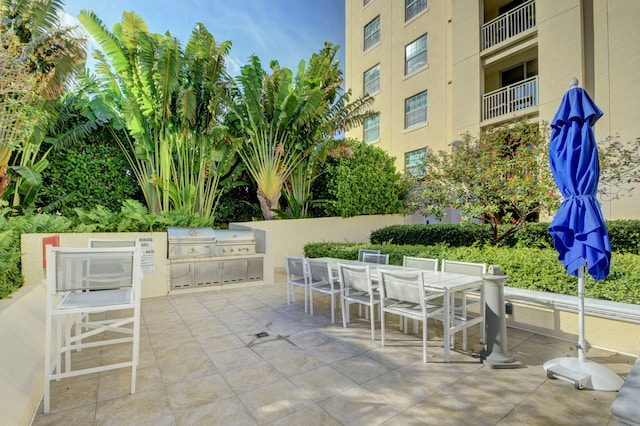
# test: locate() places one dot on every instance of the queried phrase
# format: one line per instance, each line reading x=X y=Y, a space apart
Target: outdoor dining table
x=448 y=283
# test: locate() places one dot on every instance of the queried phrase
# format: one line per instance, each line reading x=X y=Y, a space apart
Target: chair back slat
x=355 y=277
x=466 y=268
x=102 y=243
x=402 y=286
x=81 y=269
x=319 y=271
x=420 y=263
x=362 y=252
x=295 y=266
x=381 y=259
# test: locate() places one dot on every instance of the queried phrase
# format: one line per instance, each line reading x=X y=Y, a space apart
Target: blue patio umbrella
x=579 y=231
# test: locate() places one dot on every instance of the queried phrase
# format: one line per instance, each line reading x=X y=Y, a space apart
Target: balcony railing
x=509 y=24
x=510 y=98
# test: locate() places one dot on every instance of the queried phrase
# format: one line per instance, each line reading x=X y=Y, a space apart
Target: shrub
x=367 y=183
x=623 y=234
x=528 y=268
x=89 y=173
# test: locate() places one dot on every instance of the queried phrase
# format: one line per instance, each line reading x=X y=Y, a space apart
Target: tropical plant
x=264 y=114
x=18 y=112
x=53 y=55
x=171 y=102
x=283 y=124
x=341 y=115
x=500 y=177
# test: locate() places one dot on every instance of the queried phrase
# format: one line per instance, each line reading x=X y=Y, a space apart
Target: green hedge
x=528 y=268
x=623 y=234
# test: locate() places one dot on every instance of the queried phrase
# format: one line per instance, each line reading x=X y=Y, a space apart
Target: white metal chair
x=321 y=280
x=72 y=276
x=425 y=263
x=355 y=285
x=381 y=259
x=362 y=252
x=297 y=276
x=402 y=293
x=461 y=310
x=103 y=266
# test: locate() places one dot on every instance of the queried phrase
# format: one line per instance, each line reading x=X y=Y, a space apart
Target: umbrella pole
x=579 y=371
x=582 y=344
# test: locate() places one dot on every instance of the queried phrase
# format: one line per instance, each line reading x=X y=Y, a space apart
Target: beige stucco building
x=440 y=68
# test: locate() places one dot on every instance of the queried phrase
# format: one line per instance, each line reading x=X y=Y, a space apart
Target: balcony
x=510 y=98
x=508 y=25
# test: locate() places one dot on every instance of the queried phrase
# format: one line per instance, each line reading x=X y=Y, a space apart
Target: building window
x=416 y=55
x=415 y=109
x=372 y=33
x=413 y=7
x=414 y=163
x=372 y=128
x=372 y=80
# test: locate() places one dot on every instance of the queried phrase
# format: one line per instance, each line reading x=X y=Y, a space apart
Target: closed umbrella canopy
x=578 y=229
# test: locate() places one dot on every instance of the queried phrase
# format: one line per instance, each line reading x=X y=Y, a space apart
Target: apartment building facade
x=440 y=68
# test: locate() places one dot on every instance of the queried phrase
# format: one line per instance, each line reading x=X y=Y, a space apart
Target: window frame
x=373 y=41
x=411 y=168
x=407 y=71
x=407 y=103
x=365 y=130
x=409 y=4
x=365 y=83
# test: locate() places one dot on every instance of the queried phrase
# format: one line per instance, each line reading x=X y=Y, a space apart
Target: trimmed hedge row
x=623 y=234
x=528 y=268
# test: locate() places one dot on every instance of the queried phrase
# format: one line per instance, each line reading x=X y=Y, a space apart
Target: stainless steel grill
x=232 y=242
x=190 y=242
x=202 y=257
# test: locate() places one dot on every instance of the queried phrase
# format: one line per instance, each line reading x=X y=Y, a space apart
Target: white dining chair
x=423 y=263
x=356 y=287
x=461 y=310
x=402 y=293
x=322 y=281
x=297 y=276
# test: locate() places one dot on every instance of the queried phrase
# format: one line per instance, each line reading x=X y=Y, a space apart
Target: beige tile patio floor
x=201 y=363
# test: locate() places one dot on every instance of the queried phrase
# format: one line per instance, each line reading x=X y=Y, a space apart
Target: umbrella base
x=583 y=374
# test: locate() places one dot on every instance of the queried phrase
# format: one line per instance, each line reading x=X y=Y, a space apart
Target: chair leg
x=464 y=318
x=373 y=323
x=424 y=339
x=47 y=362
x=382 y=328
x=333 y=308
x=311 y=301
x=306 y=289
x=345 y=312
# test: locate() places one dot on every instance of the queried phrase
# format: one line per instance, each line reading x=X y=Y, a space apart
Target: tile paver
x=202 y=363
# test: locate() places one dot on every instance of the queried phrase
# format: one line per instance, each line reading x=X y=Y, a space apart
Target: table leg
x=445 y=326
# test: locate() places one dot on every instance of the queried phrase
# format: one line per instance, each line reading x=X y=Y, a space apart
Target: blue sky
x=285 y=30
